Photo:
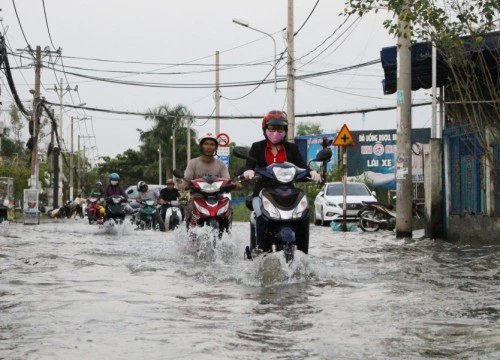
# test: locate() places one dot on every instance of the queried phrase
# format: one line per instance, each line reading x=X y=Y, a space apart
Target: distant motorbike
x=375 y=215
x=64 y=211
x=173 y=215
x=211 y=204
x=94 y=211
x=284 y=209
x=115 y=208
x=146 y=218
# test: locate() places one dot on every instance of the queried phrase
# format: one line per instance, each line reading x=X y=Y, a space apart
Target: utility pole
x=36 y=120
x=290 y=91
x=78 y=165
x=188 y=139
x=159 y=164
x=61 y=92
x=217 y=95
x=71 y=163
x=404 y=191
x=173 y=149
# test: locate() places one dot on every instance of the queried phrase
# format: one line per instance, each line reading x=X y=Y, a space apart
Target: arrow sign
x=344 y=137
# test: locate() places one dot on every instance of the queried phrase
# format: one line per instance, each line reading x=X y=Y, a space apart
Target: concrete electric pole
x=290 y=92
x=404 y=190
x=36 y=120
x=217 y=95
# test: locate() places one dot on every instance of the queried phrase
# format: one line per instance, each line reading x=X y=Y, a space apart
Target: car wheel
x=316 y=220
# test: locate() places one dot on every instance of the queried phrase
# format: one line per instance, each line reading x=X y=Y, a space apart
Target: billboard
x=373 y=156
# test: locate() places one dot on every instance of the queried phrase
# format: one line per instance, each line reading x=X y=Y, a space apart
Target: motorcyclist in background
x=273 y=149
x=170 y=193
x=98 y=192
x=114 y=188
x=145 y=193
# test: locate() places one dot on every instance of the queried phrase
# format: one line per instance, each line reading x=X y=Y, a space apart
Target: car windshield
x=352 y=189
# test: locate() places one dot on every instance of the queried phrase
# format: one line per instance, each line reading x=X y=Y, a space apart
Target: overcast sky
x=159 y=33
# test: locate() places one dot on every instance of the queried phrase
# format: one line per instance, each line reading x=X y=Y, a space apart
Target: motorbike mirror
x=241 y=152
x=178 y=173
x=323 y=155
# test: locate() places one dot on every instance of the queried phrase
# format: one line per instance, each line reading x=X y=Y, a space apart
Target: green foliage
x=309 y=128
x=241 y=213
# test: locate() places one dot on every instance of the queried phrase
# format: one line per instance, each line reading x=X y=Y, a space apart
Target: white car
x=328 y=205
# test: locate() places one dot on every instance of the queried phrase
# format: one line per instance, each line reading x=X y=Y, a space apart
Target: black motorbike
x=284 y=221
x=375 y=215
x=115 y=208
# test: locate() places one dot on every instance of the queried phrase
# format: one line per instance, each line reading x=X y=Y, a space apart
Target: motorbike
x=173 y=215
x=146 y=217
x=64 y=211
x=284 y=221
x=376 y=215
x=94 y=211
x=211 y=204
x=115 y=208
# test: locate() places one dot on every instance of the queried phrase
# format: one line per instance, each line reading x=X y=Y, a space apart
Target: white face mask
x=114 y=182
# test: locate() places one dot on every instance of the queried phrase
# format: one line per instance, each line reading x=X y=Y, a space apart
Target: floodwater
x=69 y=290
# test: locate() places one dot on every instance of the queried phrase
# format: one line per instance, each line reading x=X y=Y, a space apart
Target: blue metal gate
x=467 y=171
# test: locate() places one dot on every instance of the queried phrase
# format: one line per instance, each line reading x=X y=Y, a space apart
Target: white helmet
x=206 y=136
x=141 y=184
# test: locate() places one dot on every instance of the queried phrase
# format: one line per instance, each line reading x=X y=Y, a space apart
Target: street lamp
x=245 y=24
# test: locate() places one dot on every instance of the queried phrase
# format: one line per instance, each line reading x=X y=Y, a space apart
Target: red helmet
x=275 y=117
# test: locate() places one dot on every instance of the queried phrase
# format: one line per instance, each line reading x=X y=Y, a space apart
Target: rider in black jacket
x=274 y=148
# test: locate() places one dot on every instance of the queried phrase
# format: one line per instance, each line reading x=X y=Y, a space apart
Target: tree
x=309 y=128
x=458 y=30
x=16 y=125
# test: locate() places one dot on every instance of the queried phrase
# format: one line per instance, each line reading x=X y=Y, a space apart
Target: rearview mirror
x=241 y=152
x=178 y=173
x=323 y=155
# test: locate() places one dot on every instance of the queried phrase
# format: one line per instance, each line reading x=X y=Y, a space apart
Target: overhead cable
x=341 y=112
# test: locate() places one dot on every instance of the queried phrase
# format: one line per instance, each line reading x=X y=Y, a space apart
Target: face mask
x=114 y=182
x=275 y=137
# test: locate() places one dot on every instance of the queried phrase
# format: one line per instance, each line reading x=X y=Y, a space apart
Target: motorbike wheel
x=368 y=221
x=288 y=251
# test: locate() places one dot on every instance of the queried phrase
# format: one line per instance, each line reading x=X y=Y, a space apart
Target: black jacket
x=258 y=152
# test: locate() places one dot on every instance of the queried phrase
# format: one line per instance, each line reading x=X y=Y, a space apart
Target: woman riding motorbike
x=273 y=149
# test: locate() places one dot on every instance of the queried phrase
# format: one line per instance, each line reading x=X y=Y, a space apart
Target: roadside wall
x=474 y=229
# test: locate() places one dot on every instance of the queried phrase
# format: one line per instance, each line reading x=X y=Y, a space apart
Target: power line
x=20 y=25
x=300 y=28
x=47 y=23
x=241 y=117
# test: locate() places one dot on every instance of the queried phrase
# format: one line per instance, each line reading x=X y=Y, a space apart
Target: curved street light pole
x=245 y=24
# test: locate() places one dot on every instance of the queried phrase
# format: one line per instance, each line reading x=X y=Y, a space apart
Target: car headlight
x=223 y=209
x=284 y=175
x=331 y=203
x=202 y=209
x=301 y=207
x=271 y=209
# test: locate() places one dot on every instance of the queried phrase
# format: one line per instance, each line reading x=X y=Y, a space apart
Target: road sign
x=344 y=137
x=223 y=139
x=223 y=154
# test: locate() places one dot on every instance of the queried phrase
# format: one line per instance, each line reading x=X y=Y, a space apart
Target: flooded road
x=69 y=290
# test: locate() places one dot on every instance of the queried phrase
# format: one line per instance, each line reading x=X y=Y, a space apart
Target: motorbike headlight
x=284 y=175
x=271 y=209
x=210 y=188
x=223 y=209
x=301 y=207
x=202 y=209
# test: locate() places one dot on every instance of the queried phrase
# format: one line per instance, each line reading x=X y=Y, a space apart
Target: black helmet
x=141 y=185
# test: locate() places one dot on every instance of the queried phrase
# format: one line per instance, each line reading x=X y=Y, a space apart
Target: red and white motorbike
x=211 y=203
